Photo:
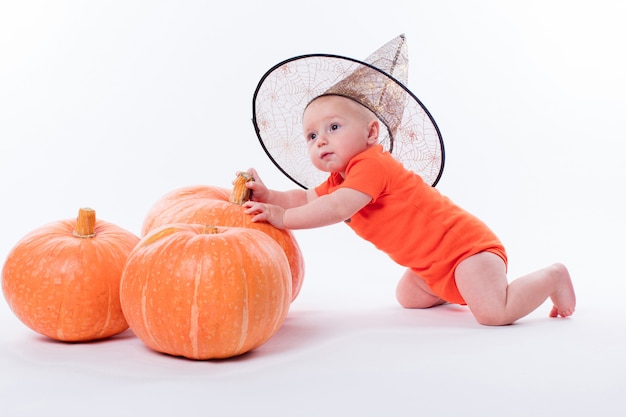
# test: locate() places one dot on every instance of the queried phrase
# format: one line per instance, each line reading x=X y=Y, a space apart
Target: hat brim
x=287 y=88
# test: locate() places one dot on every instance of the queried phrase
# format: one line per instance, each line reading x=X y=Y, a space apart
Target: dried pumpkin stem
x=85 y=223
x=211 y=230
x=241 y=193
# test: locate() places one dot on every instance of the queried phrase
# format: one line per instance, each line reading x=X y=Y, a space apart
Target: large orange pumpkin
x=62 y=280
x=205 y=292
x=211 y=205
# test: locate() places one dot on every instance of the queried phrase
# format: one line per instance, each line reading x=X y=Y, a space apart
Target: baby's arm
x=284 y=199
x=321 y=211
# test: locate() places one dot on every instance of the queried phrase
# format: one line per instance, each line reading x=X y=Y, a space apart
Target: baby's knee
x=408 y=300
x=492 y=319
x=411 y=293
x=491 y=315
x=403 y=295
x=560 y=270
x=412 y=301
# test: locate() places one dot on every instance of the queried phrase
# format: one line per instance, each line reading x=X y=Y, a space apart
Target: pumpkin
x=205 y=292
x=212 y=205
x=62 y=279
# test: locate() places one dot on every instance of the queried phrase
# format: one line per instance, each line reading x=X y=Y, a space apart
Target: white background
x=112 y=104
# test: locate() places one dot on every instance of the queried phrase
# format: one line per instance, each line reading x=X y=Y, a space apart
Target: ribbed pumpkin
x=212 y=205
x=205 y=292
x=62 y=280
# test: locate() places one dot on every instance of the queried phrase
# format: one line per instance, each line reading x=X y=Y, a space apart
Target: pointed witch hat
x=378 y=83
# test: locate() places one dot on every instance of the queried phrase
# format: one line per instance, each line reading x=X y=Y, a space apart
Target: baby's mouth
x=323 y=155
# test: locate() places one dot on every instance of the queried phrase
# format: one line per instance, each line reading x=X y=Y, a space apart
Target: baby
x=450 y=255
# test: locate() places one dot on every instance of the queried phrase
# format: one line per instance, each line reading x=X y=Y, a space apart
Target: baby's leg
x=482 y=282
x=412 y=292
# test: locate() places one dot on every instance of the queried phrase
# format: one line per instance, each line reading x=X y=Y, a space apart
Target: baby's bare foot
x=564 y=298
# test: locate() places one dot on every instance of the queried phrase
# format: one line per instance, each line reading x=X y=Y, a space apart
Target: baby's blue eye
x=334 y=127
x=312 y=136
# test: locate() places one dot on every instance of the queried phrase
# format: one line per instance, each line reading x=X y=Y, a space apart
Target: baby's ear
x=373 y=130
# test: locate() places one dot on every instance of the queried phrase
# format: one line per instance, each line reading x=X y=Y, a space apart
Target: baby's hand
x=270 y=213
x=259 y=191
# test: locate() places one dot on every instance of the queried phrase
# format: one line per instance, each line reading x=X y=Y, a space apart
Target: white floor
x=112 y=105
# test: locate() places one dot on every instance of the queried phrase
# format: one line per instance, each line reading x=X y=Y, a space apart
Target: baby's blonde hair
x=366 y=114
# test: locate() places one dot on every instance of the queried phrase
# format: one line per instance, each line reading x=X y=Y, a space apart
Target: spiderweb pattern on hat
x=283 y=93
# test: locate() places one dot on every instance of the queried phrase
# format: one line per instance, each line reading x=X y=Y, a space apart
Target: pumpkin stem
x=85 y=223
x=241 y=193
x=211 y=230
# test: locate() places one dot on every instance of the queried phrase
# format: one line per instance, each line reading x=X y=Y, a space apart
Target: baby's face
x=336 y=129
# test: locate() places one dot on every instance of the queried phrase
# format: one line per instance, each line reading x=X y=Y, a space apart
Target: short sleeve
x=367 y=175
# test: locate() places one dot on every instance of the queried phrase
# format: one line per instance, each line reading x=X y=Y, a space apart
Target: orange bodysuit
x=412 y=222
